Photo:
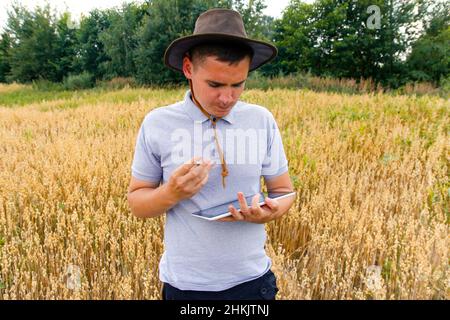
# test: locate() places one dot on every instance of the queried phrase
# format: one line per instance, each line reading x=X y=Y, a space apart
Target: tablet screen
x=221 y=211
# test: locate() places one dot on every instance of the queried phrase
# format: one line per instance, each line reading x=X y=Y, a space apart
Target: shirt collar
x=197 y=115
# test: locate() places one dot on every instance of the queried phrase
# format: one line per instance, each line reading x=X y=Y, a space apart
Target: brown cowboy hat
x=218 y=25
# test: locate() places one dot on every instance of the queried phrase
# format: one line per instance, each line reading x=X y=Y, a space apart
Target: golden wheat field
x=370 y=221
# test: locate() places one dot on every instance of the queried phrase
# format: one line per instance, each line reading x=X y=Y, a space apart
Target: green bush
x=445 y=88
x=46 y=85
x=117 y=83
x=80 y=81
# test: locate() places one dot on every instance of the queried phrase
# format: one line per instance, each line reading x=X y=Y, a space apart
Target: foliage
x=430 y=56
x=80 y=81
x=390 y=43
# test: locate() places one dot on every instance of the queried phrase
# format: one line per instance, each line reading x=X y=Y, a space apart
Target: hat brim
x=173 y=57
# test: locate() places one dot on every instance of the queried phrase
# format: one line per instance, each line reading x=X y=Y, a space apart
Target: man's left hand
x=256 y=213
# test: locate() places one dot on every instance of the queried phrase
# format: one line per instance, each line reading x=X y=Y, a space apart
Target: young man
x=222 y=259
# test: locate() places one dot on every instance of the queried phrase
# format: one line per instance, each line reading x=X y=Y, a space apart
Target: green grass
x=42 y=91
x=73 y=99
x=29 y=95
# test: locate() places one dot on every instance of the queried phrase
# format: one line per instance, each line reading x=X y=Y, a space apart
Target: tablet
x=221 y=211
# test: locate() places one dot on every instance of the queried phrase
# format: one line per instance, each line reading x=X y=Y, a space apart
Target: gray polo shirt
x=210 y=255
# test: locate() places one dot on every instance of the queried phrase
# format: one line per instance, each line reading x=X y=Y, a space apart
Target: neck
x=213 y=119
x=197 y=103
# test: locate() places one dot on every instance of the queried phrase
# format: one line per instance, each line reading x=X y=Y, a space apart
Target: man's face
x=216 y=84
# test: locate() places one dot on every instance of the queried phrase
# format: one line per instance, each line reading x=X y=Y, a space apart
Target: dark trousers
x=262 y=288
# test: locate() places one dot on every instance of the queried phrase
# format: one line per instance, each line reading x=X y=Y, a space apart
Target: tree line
x=389 y=42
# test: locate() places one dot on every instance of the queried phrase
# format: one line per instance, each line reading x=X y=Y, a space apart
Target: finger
x=203 y=168
x=227 y=219
x=196 y=174
x=268 y=202
x=242 y=202
x=255 y=209
x=203 y=181
x=186 y=167
x=272 y=204
x=207 y=167
x=235 y=213
x=255 y=202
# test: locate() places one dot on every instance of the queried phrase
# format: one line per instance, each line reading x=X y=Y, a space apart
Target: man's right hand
x=189 y=178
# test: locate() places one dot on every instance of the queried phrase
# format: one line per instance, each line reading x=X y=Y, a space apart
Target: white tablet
x=221 y=211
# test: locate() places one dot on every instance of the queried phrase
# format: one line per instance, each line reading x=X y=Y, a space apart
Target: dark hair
x=225 y=51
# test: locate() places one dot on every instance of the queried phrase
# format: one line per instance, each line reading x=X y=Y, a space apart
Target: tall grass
x=345 y=86
x=370 y=220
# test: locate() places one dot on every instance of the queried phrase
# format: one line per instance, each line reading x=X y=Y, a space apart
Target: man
x=222 y=259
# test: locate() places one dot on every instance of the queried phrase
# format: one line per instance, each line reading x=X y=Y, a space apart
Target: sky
x=77 y=7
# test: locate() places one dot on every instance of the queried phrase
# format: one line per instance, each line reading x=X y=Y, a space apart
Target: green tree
x=65 y=46
x=32 y=54
x=257 y=24
x=90 y=52
x=165 y=21
x=292 y=36
x=41 y=45
x=5 y=46
x=339 y=38
x=430 y=55
x=120 y=41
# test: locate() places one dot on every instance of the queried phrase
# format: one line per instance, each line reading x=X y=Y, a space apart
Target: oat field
x=371 y=219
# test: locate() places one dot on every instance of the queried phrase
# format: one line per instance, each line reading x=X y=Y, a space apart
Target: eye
x=213 y=85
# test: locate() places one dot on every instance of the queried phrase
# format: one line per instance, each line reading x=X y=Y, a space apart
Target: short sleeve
x=146 y=161
x=275 y=162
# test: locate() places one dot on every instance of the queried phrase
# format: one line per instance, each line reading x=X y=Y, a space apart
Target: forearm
x=151 y=203
x=284 y=206
x=286 y=203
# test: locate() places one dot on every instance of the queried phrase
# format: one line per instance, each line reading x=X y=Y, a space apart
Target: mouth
x=224 y=108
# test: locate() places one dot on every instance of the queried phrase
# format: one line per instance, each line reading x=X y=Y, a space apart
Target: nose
x=226 y=97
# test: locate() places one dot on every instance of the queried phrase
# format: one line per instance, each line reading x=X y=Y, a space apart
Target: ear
x=187 y=67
